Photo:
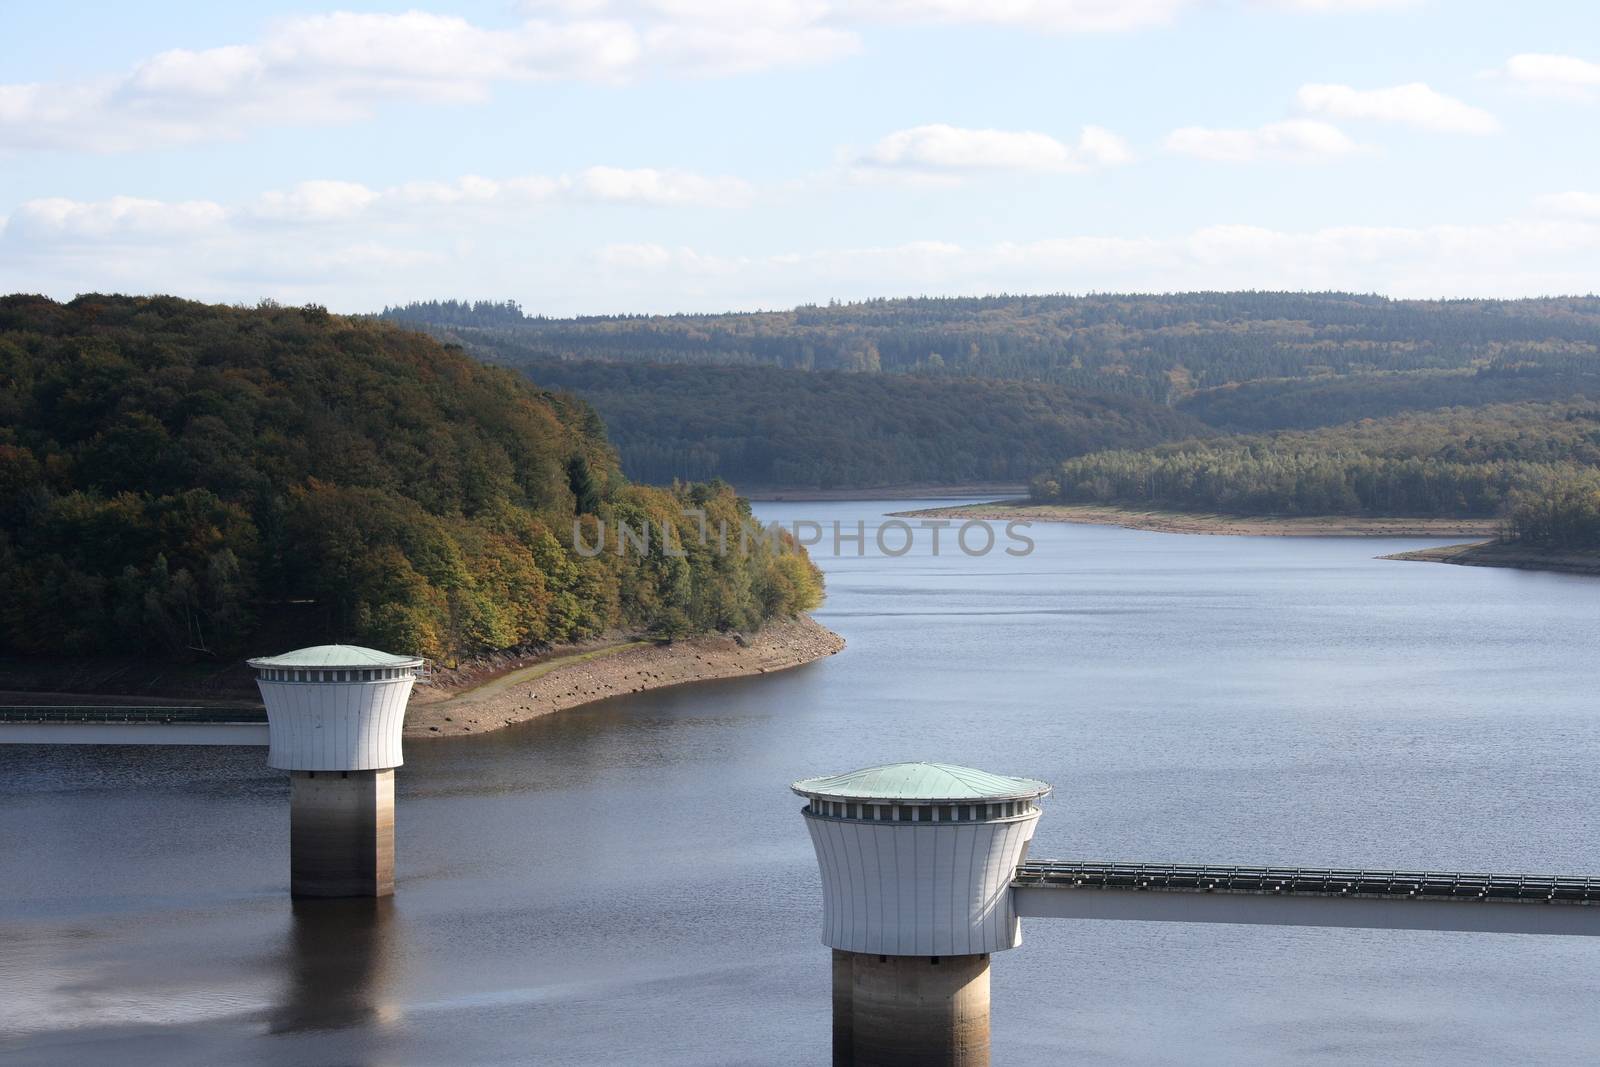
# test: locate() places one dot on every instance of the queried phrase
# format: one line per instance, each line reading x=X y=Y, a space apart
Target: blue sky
x=700 y=155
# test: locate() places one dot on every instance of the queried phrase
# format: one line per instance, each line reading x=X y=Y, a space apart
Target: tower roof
x=920 y=782
x=336 y=656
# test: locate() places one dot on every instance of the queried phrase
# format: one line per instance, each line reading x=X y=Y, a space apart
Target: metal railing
x=1309 y=881
x=106 y=713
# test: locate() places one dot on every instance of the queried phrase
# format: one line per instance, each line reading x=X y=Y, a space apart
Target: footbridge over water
x=1309 y=896
x=925 y=876
x=107 y=724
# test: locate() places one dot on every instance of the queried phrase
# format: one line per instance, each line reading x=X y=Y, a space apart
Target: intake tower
x=334 y=717
x=917 y=861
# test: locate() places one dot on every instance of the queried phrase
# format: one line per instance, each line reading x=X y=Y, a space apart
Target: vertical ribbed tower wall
x=917 y=861
x=920 y=889
x=335 y=714
x=334 y=725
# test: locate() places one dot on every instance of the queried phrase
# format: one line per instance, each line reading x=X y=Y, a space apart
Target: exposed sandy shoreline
x=1494 y=554
x=1197 y=523
x=607 y=670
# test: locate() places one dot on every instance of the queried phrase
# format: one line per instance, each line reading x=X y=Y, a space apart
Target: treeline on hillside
x=1302 y=404
x=197 y=480
x=1160 y=347
x=1457 y=463
x=483 y=313
x=764 y=426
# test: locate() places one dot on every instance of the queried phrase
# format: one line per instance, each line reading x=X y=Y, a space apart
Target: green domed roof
x=920 y=782
x=337 y=656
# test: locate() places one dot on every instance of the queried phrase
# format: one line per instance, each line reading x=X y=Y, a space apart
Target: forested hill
x=769 y=427
x=200 y=481
x=1160 y=347
x=1481 y=462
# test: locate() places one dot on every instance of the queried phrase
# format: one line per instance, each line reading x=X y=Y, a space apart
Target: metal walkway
x=1309 y=896
x=1311 y=881
x=109 y=724
x=110 y=713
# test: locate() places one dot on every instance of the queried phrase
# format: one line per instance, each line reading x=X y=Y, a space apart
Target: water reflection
x=338 y=962
x=629 y=882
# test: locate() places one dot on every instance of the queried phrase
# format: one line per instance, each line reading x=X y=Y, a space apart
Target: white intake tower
x=334 y=719
x=917 y=861
x=335 y=707
x=917 y=858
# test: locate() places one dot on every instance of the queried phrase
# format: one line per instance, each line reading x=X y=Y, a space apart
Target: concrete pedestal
x=341 y=833
x=916 y=1011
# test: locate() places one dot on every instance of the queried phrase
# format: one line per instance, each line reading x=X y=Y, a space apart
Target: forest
x=194 y=481
x=1007 y=388
x=1159 y=347
x=772 y=427
x=1458 y=462
x=1562 y=516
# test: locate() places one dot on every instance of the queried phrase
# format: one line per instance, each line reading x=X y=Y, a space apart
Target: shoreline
x=1183 y=522
x=895 y=492
x=595 y=673
x=1516 y=557
x=486 y=697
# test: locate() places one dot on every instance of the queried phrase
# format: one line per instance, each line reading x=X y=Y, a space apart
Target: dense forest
x=768 y=427
x=1306 y=403
x=1159 y=347
x=951 y=391
x=1456 y=462
x=193 y=480
x=1562 y=516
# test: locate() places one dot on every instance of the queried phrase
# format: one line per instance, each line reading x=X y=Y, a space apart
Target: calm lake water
x=630 y=882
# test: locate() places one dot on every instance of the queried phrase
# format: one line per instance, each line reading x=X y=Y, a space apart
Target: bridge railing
x=1309 y=881
x=104 y=713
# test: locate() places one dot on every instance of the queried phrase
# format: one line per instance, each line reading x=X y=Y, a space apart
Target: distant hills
x=949 y=391
x=772 y=427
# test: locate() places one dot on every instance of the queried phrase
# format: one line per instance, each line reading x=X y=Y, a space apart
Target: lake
x=630 y=882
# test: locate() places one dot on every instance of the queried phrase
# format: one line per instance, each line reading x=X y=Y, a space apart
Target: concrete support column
x=910 y=1011
x=844 y=991
x=341 y=833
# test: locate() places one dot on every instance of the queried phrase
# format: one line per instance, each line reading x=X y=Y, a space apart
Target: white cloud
x=717 y=51
x=1554 y=75
x=1050 y=16
x=1047 y=16
x=473 y=190
x=117 y=220
x=123 y=218
x=342 y=66
x=1572 y=205
x=1300 y=140
x=657 y=187
x=1413 y=104
x=320 y=68
x=942 y=149
x=1343 y=6
x=315 y=201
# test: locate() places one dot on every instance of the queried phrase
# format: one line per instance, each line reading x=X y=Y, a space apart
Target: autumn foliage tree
x=184 y=479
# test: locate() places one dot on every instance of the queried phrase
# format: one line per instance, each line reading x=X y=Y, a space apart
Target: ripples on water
x=630 y=883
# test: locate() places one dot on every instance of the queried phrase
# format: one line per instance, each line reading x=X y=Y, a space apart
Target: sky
x=606 y=156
